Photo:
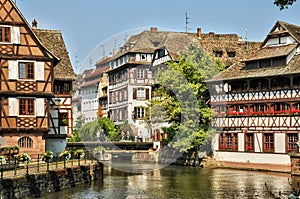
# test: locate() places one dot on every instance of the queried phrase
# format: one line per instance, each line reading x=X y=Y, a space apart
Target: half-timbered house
x=61 y=114
x=226 y=47
x=26 y=82
x=256 y=101
x=130 y=81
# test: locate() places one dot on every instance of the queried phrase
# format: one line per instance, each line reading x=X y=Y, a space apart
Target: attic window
x=218 y=53
x=143 y=56
x=265 y=63
x=231 y=53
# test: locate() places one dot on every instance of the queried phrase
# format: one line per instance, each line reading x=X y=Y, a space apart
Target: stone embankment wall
x=37 y=185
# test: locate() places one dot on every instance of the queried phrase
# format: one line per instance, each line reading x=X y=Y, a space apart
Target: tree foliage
x=183 y=96
x=93 y=130
x=284 y=4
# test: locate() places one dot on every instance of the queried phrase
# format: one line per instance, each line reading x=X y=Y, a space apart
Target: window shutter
x=147 y=93
x=40 y=107
x=40 y=71
x=134 y=93
x=15 y=35
x=13 y=69
x=135 y=113
x=13 y=107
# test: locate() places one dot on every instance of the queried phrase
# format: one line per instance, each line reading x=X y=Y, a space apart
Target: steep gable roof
x=281 y=27
x=11 y=15
x=54 y=41
x=292 y=65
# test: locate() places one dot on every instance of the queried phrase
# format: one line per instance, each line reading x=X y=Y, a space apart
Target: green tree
x=183 y=96
x=90 y=131
x=284 y=4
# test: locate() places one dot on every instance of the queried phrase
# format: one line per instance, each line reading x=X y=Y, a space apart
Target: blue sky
x=86 y=25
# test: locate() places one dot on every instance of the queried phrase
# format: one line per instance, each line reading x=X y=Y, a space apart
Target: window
x=140 y=93
x=140 y=74
x=218 y=53
x=292 y=139
x=26 y=70
x=228 y=141
x=143 y=57
x=25 y=142
x=231 y=54
x=268 y=142
x=139 y=112
x=249 y=142
x=26 y=106
x=5 y=34
x=63 y=119
x=62 y=87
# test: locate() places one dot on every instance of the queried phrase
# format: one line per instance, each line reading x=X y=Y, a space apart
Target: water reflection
x=180 y=182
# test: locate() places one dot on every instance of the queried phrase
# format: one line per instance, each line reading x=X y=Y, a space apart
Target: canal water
x=180 y=182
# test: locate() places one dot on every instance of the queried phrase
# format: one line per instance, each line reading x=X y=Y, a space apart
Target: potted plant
x=2 y=160
x=15 y=149
x=24 y=157
x=66 y=155
x=47 y=156
x=79 y=153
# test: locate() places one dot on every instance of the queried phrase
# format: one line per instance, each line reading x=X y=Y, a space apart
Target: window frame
x=291 y=144
x=26 y=106
x=140 y=74
x=268 y=143
x=25 y=142
x=29 y=70
x=228 y=141
x=5 y=36
x=140 y=93
x=249 y=142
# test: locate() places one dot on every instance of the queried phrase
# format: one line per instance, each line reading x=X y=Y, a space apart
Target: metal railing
x=14 y=168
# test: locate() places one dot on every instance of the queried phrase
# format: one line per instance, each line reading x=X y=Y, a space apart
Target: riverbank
x=37 y=185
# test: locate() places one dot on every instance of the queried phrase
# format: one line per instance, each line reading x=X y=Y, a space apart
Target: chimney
x=211 y=33
x=153 y=29
x=199 y=32
x=34 y=24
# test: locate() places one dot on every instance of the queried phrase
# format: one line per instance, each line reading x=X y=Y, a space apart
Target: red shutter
x=134 y=93
x=147 y=93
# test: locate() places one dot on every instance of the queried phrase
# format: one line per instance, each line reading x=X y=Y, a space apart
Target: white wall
x=258 y=158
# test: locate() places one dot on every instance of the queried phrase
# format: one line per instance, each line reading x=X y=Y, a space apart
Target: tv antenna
x=246 y=38
x=76 y=58
x=187 y=22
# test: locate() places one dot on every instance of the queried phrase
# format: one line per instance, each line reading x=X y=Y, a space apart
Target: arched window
x=25 y=142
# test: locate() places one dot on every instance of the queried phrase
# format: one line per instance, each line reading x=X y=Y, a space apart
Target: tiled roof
x=89 y=83
x=236 y=71
x=97 y=72
x=53 y=41
x=291 y=29
x=272 y=51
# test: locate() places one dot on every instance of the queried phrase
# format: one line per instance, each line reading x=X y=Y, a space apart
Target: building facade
x=26 y=82
x=257 y=104
x=61 y=113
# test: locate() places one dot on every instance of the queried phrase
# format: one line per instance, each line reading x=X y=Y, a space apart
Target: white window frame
x=140 y=93
x=140 y=74
x=140 y=112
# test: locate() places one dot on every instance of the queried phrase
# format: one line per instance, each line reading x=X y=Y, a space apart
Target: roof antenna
x=187 y=22
x=246 y=39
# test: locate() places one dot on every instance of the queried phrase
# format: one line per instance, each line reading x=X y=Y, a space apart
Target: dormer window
x=218 y=53
x=143 y=57
x=5 y=34
x=231 y=54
